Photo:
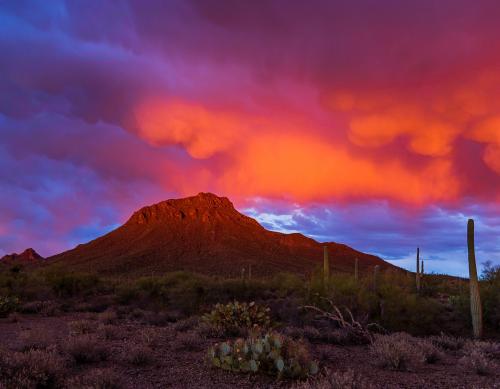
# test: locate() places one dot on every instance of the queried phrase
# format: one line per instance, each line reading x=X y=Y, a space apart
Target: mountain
x=205 y=234
x=27 y=256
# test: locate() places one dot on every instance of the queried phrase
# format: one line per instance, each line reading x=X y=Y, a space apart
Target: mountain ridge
x=205 y=234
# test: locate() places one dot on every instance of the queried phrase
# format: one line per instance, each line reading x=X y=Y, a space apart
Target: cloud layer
x=378 y=106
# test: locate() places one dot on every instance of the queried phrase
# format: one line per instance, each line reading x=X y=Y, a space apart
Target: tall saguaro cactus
x=417 y=274
x=326 y=267
x=356 y=275
x=475 y=298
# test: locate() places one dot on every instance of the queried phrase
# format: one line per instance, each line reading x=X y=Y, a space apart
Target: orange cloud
x=201 y=131
x=427 y=135
x=307 y=168
x=488 y=131
x=283 y=156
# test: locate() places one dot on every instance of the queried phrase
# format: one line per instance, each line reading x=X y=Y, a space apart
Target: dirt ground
x=178 y=353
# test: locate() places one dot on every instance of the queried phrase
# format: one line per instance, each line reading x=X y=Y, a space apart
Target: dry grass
x=86 y=349
x=336 y=380
x=97 y=379
x=139 y=355
x=81 y=327
x=35 y=340
x=107 y=317
x=187 y=341
x=112 y=332
x=396 y=351
x=448 y=343
x=477 y=362
x=31 y=369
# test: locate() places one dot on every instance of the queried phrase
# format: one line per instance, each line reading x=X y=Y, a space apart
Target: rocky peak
x=27 y=255
x=203 y=205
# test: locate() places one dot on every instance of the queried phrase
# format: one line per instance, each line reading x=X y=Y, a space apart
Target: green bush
x=490 y=295
x=234 y=317
x=8 y=304
x=71 y=284
x=271 y=354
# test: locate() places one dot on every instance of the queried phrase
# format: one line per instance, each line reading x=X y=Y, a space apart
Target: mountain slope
x=205 y=234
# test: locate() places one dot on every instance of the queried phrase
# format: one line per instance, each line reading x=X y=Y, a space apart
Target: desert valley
x=191 y=293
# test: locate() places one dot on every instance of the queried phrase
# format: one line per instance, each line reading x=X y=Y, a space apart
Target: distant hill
x=28 y=256
x=205 y=234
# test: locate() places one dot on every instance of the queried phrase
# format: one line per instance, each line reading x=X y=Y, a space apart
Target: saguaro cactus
x=356 y=269
x=475 y=298
x=417 y=274
x=326 y=266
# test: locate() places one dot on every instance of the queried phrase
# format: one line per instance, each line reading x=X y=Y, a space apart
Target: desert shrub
x=125 y=293
x=490 y=295
x=207 y=330
x=336 y=380
x=271 y=354
x=86 y=349
x=14 y=317
x=186 y=324
x=139 y=355
x=232 y=318
x=476 y=361
x=70 y=284
x=45 y=308
x=80 y=327
x=286 y=284
x=107 y=317
x=8 y=304
x=112 y=332
x=401 y=351
x=149 y=336
x=35 y=340
x=347 y=328
x=288 y=311
x=489 y=349
x=189 y=341
x=447 y=342
x=307 y=332
x=97 y=379
x=396 y=351
x=404 y=311
x=157 y=318
x=180 y=291
x=31 y=369
x=430 y=352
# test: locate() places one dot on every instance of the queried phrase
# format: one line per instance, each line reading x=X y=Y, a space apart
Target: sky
x=374 y=123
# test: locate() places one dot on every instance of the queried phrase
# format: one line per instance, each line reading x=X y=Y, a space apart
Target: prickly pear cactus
x=272 y=354
x=235 y=317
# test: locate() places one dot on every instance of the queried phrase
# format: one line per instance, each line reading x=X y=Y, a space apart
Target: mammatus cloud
x=105 y=108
